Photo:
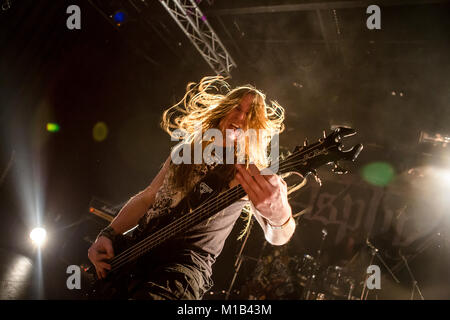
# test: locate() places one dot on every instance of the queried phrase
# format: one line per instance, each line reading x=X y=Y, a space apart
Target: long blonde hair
x=204 y=104
x=207 y=103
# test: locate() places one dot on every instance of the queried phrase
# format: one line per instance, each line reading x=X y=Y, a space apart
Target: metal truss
x=324 y=5
x=194 y=24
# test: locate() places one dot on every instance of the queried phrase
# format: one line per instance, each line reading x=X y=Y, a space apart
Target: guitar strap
x=215 y=182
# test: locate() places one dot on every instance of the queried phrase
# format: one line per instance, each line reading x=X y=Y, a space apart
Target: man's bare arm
x=102 y=249
x=138 y=205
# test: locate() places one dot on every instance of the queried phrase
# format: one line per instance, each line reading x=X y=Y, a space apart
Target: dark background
x=324 y=66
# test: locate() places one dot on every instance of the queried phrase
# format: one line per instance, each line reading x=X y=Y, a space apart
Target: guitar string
x=169 y=230
x=159 y=235
x=230 y=194
x=205 y=206
x=143 y=245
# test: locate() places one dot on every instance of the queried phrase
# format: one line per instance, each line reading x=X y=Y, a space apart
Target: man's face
x=236 y=118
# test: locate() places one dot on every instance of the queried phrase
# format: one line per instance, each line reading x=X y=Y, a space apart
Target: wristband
x=109 y=233
x=282 y=226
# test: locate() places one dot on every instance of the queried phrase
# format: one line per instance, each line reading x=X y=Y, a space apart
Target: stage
x=364 y=88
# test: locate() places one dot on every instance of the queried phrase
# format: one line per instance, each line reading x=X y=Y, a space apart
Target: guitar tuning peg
x=305 y=143
x=316 y=177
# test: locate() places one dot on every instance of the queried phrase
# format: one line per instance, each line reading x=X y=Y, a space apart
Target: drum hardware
x=414 y=281
x=305 y=269
x=338 y=283
x=365 y=292
x=280 y=276
x=320 y=296
x=427 y=243
x=333 y=279
x=374 y=252
x=352 y=287
x=316 y=266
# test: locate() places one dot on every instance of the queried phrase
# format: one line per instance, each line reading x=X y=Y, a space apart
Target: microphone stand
x=364 y=294
x=238 y=262
x=324 y=235
x=375 y=253
x=414 y=281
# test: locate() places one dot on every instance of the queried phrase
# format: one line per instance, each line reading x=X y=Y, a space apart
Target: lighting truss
x=195 y=26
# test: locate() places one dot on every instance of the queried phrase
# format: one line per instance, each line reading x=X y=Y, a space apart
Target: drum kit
x=279 y=276
x=282 y=275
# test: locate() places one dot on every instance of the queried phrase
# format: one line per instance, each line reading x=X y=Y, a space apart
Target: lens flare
x=100 y=131
x=378 y=173
x=52 y=127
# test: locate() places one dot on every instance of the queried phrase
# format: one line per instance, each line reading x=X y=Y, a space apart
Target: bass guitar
x=203 y=202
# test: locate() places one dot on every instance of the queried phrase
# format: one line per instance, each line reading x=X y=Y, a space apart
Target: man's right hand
x=101 y=251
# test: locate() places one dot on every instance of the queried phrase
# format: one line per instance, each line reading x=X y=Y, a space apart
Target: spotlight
x=442 y=176
x=38 y=236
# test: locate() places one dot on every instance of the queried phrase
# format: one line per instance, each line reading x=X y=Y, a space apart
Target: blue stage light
x=119 y=17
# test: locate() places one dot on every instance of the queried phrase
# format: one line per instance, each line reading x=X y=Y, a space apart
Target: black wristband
x=109 y=233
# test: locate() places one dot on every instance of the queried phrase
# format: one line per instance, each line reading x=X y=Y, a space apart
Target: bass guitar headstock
x=329 y=150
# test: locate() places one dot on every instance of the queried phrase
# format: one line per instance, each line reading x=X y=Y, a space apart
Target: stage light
x=119 y=17
x=446 y=177
x=38 y=236
x=52 y=127
x=442 y=177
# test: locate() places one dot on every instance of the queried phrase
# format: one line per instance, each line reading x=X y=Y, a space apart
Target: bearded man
x=182 y=268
